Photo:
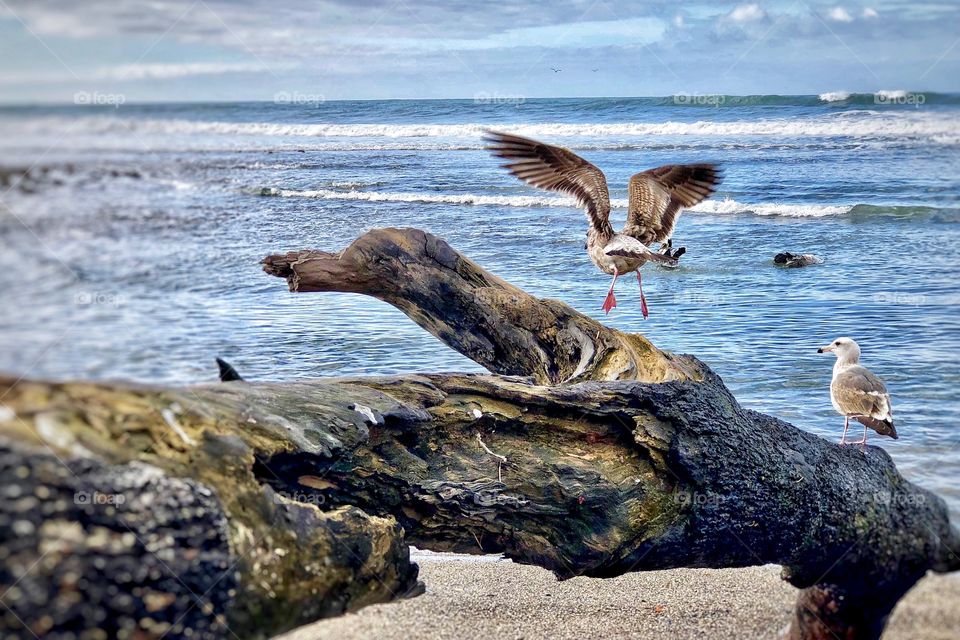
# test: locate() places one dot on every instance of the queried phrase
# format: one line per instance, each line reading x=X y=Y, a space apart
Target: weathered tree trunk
x=133 y=511
x=646 y=462
x=490 y=321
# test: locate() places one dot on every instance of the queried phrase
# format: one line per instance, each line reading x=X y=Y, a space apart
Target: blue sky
x=189 y=50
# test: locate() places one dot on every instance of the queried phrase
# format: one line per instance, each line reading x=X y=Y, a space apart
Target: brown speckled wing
x=859 y=392
x=658 y=195
x=555 y=169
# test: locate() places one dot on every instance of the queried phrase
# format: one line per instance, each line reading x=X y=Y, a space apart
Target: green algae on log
x=609 y=456
x=73 y=454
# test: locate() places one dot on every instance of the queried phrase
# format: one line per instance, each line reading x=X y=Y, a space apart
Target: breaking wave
x=928 y=126
x=889 y=127
x=834 y=96
x=711 y=206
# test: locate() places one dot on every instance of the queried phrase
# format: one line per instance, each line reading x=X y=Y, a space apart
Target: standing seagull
x=856 y=393
x=656 y=198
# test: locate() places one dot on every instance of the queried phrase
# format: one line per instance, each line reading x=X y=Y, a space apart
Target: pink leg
x=846 y=425
x=643 y=298
x=863 y=442
x=611 y=300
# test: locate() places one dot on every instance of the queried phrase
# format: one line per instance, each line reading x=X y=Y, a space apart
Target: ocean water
x=131 y=238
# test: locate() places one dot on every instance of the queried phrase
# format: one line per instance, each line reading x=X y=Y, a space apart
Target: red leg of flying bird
x=611 y=300
x=643 y=298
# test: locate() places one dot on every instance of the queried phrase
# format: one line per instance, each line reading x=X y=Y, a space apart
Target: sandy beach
x=467 y=598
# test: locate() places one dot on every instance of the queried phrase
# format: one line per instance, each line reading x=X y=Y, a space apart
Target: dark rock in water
x=106 y=551
x=787 y=259
x=227 y=372
x=122 y=173
x=32 y=180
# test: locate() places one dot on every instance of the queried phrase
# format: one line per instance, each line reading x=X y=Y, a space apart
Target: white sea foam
x=949 y=140
x=891 y=94
x=883 y=126
x=711 y=206
x=179 y=185
x=350 y=184
x=834 y=96
x=772 y=209
x=859 y=124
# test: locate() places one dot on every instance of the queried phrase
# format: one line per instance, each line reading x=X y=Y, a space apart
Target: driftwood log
x=485 y=318
x=590 y=453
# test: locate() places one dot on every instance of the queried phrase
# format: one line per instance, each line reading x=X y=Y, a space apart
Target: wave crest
x=727 y=206
x=926 y=126
x=834 y=96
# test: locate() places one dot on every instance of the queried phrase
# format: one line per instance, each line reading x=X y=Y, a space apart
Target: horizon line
x=492 y=97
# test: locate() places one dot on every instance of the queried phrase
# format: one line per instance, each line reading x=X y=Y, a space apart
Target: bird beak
x=825 y=349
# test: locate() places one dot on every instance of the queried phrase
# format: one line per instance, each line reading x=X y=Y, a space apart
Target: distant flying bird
x=594 y=70
x=856 y=393
x=555 y=70
x=656 y=198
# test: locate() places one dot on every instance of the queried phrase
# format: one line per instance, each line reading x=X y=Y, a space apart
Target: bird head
x=846 y=349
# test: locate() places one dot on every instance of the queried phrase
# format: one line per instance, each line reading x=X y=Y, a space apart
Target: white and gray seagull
x=856 y=393
x=656 y=198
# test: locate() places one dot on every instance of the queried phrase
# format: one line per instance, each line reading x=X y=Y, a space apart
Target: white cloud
x=870 y=13
x=747 y=13
x=142 y=71
x=839 y=14
x=586 y=34
x=139 y=71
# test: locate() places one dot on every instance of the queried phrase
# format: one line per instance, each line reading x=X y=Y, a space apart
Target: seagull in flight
x=657 y=196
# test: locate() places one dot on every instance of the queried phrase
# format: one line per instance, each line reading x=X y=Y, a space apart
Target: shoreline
x=485 y=597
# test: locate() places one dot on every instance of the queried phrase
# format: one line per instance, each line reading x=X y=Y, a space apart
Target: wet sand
x=468 y=599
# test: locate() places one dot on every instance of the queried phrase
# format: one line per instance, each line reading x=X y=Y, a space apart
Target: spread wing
x=658 y=195
x=555 y=169
x=860 y=393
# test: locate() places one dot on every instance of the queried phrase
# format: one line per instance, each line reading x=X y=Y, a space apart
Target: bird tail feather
x=883 y=427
